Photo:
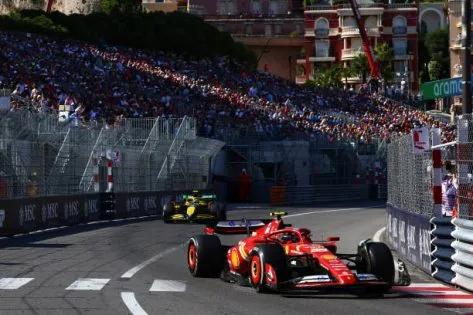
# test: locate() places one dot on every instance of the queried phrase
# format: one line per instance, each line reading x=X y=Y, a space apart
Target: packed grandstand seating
x=105 y=83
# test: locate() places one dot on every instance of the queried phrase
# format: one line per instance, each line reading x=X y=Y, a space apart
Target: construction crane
x=374 y=66
x=50 y=5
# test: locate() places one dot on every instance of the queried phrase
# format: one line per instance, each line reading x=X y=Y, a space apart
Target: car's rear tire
x=267 y=268
x=377 y=259
x=167 y=212
x=205 y=256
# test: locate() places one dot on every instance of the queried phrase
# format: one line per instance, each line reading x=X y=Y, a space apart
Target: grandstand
x=151 y=106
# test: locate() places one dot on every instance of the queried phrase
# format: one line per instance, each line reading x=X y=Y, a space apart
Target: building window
x=400 y=47
x=274 y=7
x=278 y=29
x=349 y=22
x=400 y=67
x=321 y=27
x=322 y=48
x=399 y=25
x=298 y=28
x=249 y=29
x=371 y=22
x=226 y=7
x=268 y=30
x=356 y=43
x=256 y=6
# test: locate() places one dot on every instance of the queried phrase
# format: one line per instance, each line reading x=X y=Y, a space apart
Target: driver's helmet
x=196 y=193
x=289 y=238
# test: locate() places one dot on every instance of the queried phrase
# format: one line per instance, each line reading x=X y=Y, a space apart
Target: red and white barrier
x=437 y=172
x=95 y=163
x=109 y=175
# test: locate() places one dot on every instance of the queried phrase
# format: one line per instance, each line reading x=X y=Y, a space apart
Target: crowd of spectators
x=104 y=83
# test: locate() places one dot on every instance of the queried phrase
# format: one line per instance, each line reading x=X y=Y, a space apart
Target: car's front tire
x=204 y=256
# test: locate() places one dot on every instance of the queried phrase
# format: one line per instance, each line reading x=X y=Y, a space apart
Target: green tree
x=125 y=6
x=384 y=55
x=328 y=76
x=436 y=70
x=437 y=45
x=360 y=66
x=345 y=73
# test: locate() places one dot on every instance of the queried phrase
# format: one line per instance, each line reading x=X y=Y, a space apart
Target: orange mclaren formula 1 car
x=278 y=257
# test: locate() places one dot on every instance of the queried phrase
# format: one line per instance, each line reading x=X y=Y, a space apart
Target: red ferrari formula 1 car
x=277 y=257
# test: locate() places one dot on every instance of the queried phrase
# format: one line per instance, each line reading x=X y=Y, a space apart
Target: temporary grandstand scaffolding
x=41 y=156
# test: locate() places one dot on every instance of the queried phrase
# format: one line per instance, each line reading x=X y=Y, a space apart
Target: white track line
x=88 y=284
x=132 y=304
x=13 y=283
x=329 y=211
x=130 y=273
x=377 y=235
x=168 y=286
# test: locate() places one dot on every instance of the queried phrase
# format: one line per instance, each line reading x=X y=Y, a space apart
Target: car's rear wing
x=237 y=226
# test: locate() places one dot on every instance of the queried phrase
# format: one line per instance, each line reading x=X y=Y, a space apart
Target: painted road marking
x=88 y=284
x=168 y=286
x=438 y=295
x=130 y=273
x=13 y=283
x=132 y=304
x=329 y=211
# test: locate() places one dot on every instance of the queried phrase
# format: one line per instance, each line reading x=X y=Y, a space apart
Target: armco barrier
x=442 y=250
x=409 y=235
x=463 y=256
x=294 y=195
x=18 y=216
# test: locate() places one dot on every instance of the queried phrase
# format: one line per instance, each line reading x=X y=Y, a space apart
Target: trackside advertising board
x=442 y=88
x=409 y=235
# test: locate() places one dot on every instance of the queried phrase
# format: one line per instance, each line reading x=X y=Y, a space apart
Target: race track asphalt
x=140 y=268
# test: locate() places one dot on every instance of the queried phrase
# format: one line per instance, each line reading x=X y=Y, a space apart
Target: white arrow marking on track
x=130 y=273
x=132 y=304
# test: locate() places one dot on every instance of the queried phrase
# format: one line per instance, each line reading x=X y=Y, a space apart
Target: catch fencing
x=418 y=191
x=41 y=156
x=409 y=178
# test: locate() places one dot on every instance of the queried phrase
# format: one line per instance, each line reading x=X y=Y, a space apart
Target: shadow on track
x=29 y=239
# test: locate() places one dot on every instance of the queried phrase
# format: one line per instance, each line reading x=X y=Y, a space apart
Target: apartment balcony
x=351 y=53
x=322 y=59
x=254 y=17
x=355 y=32
x=300 y=61
x=321 y=33
x=456 y=44
x=399 y=30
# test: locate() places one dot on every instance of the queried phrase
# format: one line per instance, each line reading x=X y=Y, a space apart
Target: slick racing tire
x=167 y=211
x=377 y=259
x=218 y=209
x=205 y=256
x=267 y=267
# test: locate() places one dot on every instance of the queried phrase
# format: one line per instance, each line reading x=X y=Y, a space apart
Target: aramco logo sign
x=442 y=88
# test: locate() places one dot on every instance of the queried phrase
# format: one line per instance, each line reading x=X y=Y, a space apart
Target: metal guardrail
x=463 y=256
x=441 y=240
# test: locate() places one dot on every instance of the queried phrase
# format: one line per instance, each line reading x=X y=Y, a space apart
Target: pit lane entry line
x=132 y=304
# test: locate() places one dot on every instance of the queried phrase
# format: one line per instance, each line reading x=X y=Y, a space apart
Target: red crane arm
x=366 y=43
x=50 y=5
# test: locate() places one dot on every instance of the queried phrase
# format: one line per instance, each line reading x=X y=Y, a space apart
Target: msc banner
x=409 y=235
x=19 y=216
